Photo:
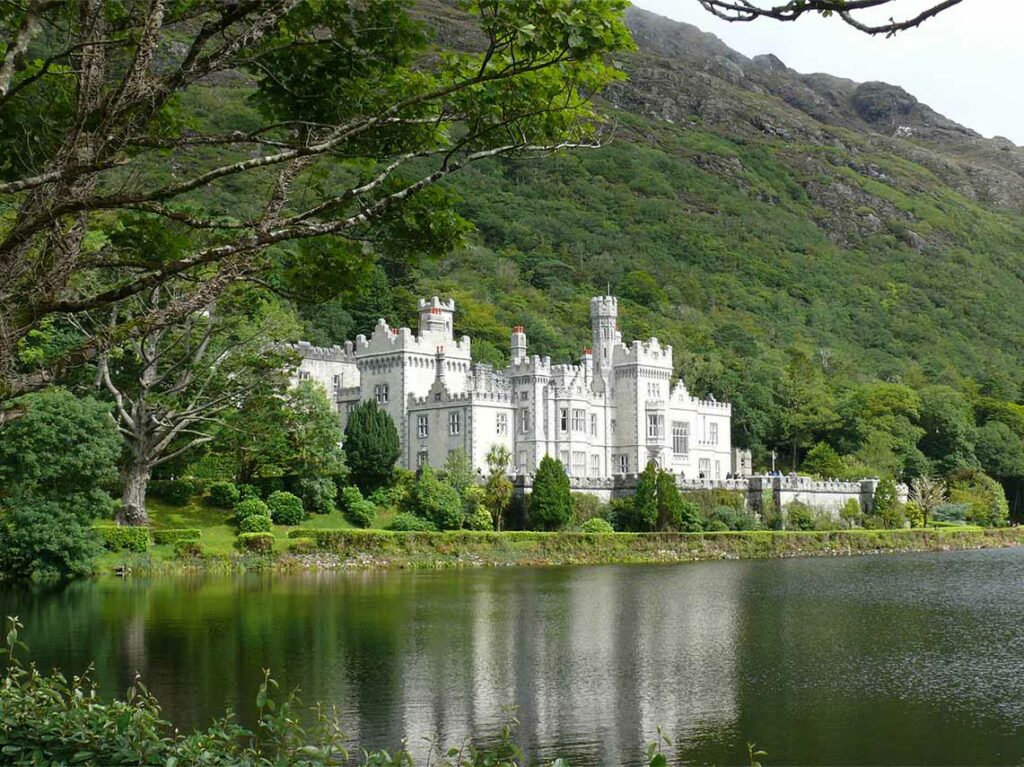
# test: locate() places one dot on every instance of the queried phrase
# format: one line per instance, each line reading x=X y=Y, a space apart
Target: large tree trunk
x=134 y=481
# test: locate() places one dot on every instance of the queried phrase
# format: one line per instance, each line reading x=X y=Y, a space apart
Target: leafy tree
x=799 y=516
x=314 y=435
x=928 y=494
x=54 y=461
x=983 y=496
x=458 y=470
x=851 y=512
x=437 y=501
x=476 y=515
x=670 y=503
x=94 y=120
x=498 y=486
x=169 y=384
x=823 y=461
x=886 y=504
x=645 y=501
x=1000 y=450
x=808 y=407
x=371 y=446
x=949 y=433
x=551 y=499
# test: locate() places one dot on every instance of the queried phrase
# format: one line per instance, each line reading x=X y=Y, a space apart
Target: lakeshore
x=329 y=549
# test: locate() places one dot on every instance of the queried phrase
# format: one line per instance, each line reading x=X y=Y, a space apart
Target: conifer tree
x=645 y=502
x=670 y=503
x=551 y=499
x=371 y=446
x=886 y=504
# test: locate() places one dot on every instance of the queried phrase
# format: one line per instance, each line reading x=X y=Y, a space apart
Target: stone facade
x=604 y=418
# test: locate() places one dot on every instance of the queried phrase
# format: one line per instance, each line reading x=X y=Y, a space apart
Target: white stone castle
x=603 y=418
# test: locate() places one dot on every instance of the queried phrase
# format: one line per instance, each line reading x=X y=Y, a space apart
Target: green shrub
x=124 y=538
x=597 y=525
x=262 y=543
x=950 y=512
x=404 y=521
x=253 y=507
x=733 y=518
x=475 y=513
x=302 y=545
x=285 y=508
x=245 y=492
x=317 y=493
x=392 y=496
x=187 y=549
x=161 y=537
x=361 y=513
x=717 y=526
x=224 y=495
x=255 y=524
x=799 y=516
x=176 y=492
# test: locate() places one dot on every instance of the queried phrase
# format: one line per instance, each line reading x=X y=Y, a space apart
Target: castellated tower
x=436 y=318
x=604 y=315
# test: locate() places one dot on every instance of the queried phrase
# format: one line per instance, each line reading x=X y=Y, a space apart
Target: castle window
x=502 y=423
x=579 y=420
x=595 y=465
x=524 y=421
x=422 y=426
x=564 y=419
x=718 y=469
x=421 y=459
x=624 y=464
x=337 y=382
x=350 y=407
x=563 y=457
x=522 y=467
x=524 y=395
x=579 y=463
x=704 y=467
x=455 y=423
x=380 y=393
x=593 y=424
x=714 y=433
x=303 y=375
x=655 y=426
x=680 y=437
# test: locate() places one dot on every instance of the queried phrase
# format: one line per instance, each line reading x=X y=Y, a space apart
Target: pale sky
x=967 y=63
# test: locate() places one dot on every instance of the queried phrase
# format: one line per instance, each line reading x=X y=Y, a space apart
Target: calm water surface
x=915 y=659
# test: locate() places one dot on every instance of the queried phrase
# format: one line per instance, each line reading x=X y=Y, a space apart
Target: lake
x=896 y=659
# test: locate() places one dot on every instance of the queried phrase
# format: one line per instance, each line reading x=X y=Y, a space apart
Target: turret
x=604 y=314
x=587 y=361
x=439 y=365
x=436 y=317
x=518 y=344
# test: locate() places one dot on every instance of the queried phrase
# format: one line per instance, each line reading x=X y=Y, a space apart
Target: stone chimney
x=518 y=343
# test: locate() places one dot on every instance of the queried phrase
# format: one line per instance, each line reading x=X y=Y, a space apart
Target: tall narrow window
x=680 y=437
x=524 y=421
x=704 y=466
x=655 y=426
x=595 y=465
x=624 y=464
x=422 y=426
x=579 y=463
x=579 y=420
x=564 y=419
x=454 y=423
x=713 y=433
x=421 y=459
x=501 y=420
x=593 y=424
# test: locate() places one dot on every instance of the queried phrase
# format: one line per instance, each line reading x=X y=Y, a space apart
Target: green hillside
x=795 y=255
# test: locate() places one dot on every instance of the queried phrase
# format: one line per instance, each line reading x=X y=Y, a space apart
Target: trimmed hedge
x=187 y=549
x=262 y=543
x=597 y=525
x=385 y=548
x=301 y=545
x=174 y=535
x=124 y=538
x=257 y=523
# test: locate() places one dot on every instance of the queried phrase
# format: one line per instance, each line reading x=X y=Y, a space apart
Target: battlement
x=386 y=340
x=435 y=305
x=534 y=365
x=649 y=352
x=604 y=306
x=448 y=398
x=712 y=404
x=323 y=353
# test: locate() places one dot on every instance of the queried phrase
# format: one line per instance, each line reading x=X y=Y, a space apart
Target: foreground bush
x=262 y=543
x=162 y=537
x=176 y=492
x=597 y=525
x=404 y=521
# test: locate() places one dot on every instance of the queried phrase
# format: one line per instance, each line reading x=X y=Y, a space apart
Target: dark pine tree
x=371 y=446
x=551 y=499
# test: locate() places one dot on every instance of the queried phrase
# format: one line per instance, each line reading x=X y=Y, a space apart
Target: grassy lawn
x=218 y=530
